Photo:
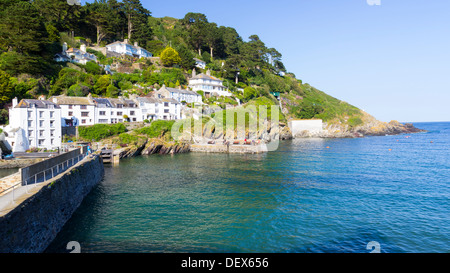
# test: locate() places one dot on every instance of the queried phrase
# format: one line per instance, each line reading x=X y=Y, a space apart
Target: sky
x=392 y=60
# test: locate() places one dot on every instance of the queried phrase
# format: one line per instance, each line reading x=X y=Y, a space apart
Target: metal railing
x=40 y=177
x=48 y=174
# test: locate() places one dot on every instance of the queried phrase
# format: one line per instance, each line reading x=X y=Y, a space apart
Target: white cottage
x=208 y=84
x=179 y=95
x=124 y=48
x=37 y=121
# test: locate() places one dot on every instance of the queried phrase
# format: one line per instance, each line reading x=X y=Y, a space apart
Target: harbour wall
x=232 y=149
x=33 y=224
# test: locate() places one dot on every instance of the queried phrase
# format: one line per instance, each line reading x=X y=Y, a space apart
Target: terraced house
x=179 y=95
x=34 y=123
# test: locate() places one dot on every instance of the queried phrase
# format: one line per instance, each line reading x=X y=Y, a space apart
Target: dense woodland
x=32 y=32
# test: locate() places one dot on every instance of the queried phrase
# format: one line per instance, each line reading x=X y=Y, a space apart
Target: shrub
x=170 y=56
x=158 y=128
x=354 y=121
x=100 y=131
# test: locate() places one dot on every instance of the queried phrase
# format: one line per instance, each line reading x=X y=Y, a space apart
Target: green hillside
x=32 y=32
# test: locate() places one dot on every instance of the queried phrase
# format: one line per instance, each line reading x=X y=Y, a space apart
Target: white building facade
x=124 y=48
x=156 y=108
x=208 y=84
x=39 y=121
x=179 y=95
x=76 y=111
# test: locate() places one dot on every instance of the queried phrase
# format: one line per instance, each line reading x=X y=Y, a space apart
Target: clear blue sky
x=391 y=60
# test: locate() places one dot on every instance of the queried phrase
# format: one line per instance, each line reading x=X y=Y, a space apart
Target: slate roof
x=29 y=103
x=68 y=100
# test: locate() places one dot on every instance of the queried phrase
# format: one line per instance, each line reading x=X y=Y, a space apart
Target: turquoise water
x=304 y=197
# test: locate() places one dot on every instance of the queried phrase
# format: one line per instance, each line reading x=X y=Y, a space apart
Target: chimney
x=41 y=97
x=125 y=41
x=14 y=102
x=83 y=48
x=136 y=44
x=208 y=72
x=194 y=73
x=64 y=49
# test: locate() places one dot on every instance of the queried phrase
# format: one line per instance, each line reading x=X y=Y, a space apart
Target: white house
x=170 y=109
x=124 y=48
x=179 y=95
x=208 y=84
x=76 y=111
x=156 y=108
x=200 y=63
x=77 y=55
x=104 y=112
x=37 y=121
x=124 y=110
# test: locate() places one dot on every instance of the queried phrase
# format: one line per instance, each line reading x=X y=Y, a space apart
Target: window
x=41 y=123
x=83 y=121
x=30 y=123
x=112 y=113
x=30 y=133
x=119 y=113
x=119 y=105
x=52 y=133
x=102 y=113
x=85 y=114
x=102 y=121
x=83 y=106
x=166 y=110
x=70 y=106
x=165 y=117
x=41 y=133
x=41 y=114
x=131 y=113
x=166 y=104
x=30 y=114
x=70 y=114
x=41 y=142
x=51 y=141
x=134 y=119
x=52 y=123
x=52 y=113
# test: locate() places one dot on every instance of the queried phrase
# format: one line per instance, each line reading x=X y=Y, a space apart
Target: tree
x=187 y=57
x=98 y=17
x=155 y=47
x=250 y=93
x=136 y=16
x=231 y=41
x=196 y=26
x=6 y=88
x=102 y=84
x=22 y=29
x=170 y=56
x=59 y=13
x=212 y=37
x=254 y=53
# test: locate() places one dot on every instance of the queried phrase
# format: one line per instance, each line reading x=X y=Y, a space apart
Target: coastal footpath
x=34 y=222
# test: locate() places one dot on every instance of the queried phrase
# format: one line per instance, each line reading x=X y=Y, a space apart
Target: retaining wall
x=32 y=225
x=311 y=125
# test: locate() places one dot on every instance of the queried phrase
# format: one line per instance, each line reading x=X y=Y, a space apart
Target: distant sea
x=311 y=195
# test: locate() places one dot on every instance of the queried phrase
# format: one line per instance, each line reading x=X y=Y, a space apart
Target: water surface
x=304 y=197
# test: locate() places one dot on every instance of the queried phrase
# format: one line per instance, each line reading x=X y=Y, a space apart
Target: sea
x=383 y=193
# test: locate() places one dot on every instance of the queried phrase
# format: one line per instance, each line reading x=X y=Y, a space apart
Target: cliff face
x=370 y=127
